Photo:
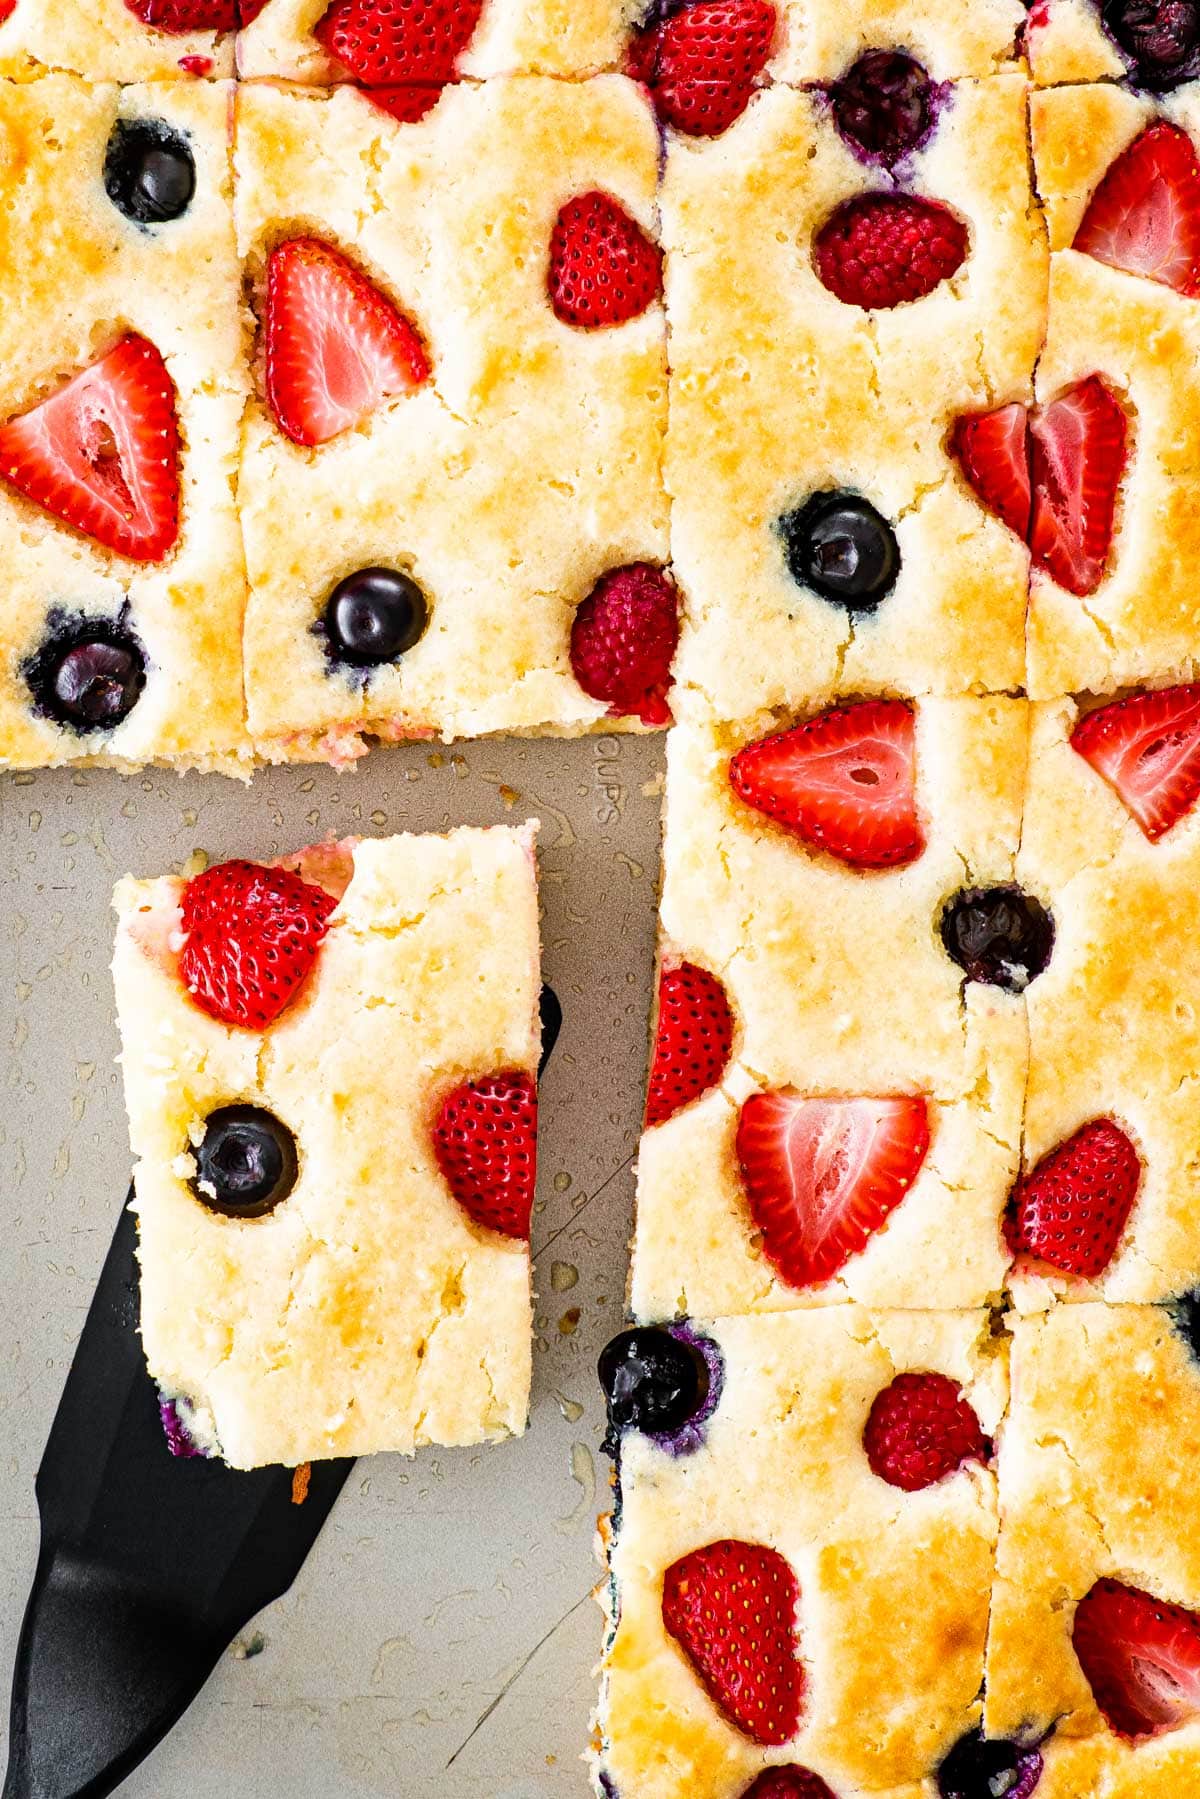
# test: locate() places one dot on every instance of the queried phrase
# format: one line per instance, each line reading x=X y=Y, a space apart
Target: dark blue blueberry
x=980 y=1767
x=843 y=548
x=998 y=935
x=883 y=105
x=1185 y=1314
x=657 y=1380
x=149 y=172
x=374 y=616
x=550 y=1009
x=246 y=1163
x=1159 y=38
x=89 y=672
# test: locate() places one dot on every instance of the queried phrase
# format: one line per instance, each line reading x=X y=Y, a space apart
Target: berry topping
x=246 y=1163
x=385 y=42
x=623 y=640
x=603 y=268
x=882 y=250
x=980 y=1767
x=998 y=935
x=1145 y=215
x=89 y=673
x=336 y=347
x=731 y=1607
x=194 y=15
x=844 y=782
x=1161 y=39
x=823 y=1175
x=1071 y=1210
x=374 y=616
x=252 y=937
x=883 y=105
x=1148 y=748
x=655 y=1381
x=841 y=547
x=701 y=63
x=993 y=450
x=692 y=1043
x=149 y=173
x=788 y=1783
x=407 y=102
x=1077 y=460
x=102 y=454
x=485 y=1140
x=920 y=1429
x=1140 y=1656
x=550 y=1014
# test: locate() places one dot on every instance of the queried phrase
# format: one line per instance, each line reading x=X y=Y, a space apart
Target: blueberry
x=246 y=1163
x=1185 y=1314
x=89 y=672
x=655 y=1381
x=883 y=105
x=149 y=173
x=841 y=547
x=980 y=1767
x=1161 y=39
x=374 y=616
x=999 y=935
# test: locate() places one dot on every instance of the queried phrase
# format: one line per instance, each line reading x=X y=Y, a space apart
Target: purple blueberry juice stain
x=179 y=1439
x=608 y=1786
x=980 y=1767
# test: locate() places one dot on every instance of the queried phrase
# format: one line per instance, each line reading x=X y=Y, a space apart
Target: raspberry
x=885 y=249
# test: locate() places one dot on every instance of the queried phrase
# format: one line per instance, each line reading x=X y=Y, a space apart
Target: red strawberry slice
x=1077 y=460
x=993 y=449
x=883 y=250
x=823 y=1175
x=1140 y=1656
x=485 y=1140
x=7 y=9
x=788 y=1783
x=731 y=1607
x=102 y=454
x=407 y=101
x=919 y=1430
x=692 y=1045
x=252 y=937
x=603 y=268
x=195 y=15
x=623 y=641
x=1145 y=215
x=1071 y=1210
x=336 y=347
x=384 y=42
x=702 y=62
x=1148 y=748
x=845 y=782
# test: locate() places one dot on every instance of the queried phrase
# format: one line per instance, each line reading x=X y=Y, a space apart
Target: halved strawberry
x=252 y=936
x=845 y=782
x=485 y=1141
x=102 y=454
x=1140 y=1656
x=336 y=347
x=603 y=268
x=1148 y=748
x=1077 y=456
x=993 y=449
x=1071 y=1210
x=1145 y=215
x=731 y=1607
x=694 y=1038
x=788 y=1783
x=701 y=63
x=823 y=1175
x=407 y=102
x=919 y=1430
x=384 y=42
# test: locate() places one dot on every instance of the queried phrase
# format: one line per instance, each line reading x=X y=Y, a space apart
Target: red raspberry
x=883 y=249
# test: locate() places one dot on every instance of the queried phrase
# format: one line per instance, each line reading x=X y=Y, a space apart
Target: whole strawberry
x=623 y=642
x=919 y=1430
x=252 y=936
x=731 y=1607
x=883 y=250
x=485 y=1141
x=385 y=42
x=1072 y=1209
x=702 y=61
x=603 y=268
x=693 y=1041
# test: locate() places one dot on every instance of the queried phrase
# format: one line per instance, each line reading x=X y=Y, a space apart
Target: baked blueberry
x=883 y=105
x=1186 y=1315
x=655 y=1381
x=843 y=548
x=149 y=172
x=373 y=616
x=998 y=935
x=980 y=1767
x=246 y=1163
x=1161 y=39
x=89 y=673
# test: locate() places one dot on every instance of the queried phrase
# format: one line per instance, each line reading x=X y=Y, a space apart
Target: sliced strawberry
x=702 y=62
x=1148 y=748
x=186 y=15
x=1071 y=1210
x=823 y=1175
x=695 y=1036
x=485 y=1141
x=882 y=250
x=252 y=936
x=845 y=782
x=623 y=641
x=731 y=1607
x=993 y=450
x=920 y=1429
x=788 y=1783
x=1145 y=215
x=7 y=9
x=336 y=347
x=386 y=42
x=406 y=101
x=102 y=454
x=1140 y=1656
x=603 y=268
x=1077 y=460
